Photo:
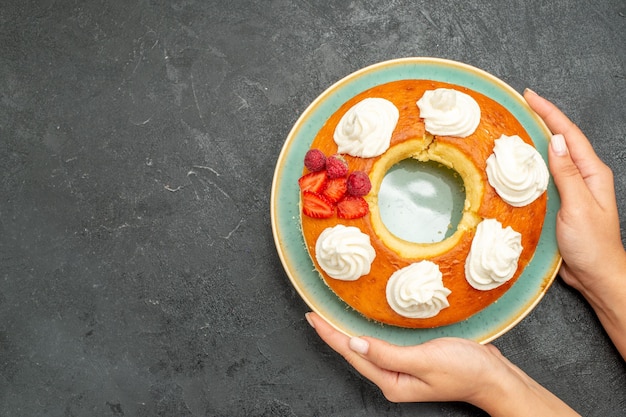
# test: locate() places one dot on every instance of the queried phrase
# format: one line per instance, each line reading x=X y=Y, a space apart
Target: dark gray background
x=138 y=140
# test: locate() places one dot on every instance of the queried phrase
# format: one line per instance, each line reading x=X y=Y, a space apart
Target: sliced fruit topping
x=313 y=181
x=359 y=184
x=336 y=188
x=352 y=207
x=315 y=160
x=330 y=188
x=336 y=166
x=316 y=205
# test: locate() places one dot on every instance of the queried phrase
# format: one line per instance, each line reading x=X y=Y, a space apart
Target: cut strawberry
x=336 y=188
x=316 y=205
x=314 y=181
x=352 y=208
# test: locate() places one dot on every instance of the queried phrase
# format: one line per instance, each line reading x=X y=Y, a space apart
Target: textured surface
x=138 y=274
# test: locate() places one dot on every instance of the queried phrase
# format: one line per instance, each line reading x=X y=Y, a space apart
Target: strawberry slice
x=352 y=207
x=314 y=181
x=336 y=188
x=316 y=205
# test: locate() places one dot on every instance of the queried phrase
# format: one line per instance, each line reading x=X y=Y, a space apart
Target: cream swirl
x=493 y=256
x=344 y=252
x=517 y=171
x=417 y=291
x=365 y=130
x=448 y=112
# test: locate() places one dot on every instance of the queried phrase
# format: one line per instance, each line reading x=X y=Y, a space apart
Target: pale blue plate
x=482 y=327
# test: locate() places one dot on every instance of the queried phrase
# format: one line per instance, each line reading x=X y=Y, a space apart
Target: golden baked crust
x=465 y=155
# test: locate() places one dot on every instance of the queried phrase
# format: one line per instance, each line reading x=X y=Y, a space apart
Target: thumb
x=383 y=354
x=399 y=371
x=421 y=359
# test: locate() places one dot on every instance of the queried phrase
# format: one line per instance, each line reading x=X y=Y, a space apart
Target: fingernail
x=306 y=316
x=528 y=90
x=359 y=345
x=558 y=145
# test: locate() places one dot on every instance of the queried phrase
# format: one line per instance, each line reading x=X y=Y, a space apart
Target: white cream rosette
x=493 y=256
x=365 y=130
x=448 y=112
x=344 y=252
x=517 y=171
x=417 y=291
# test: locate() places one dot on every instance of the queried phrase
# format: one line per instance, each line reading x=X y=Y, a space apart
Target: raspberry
x=315 y=160
x=359 y=184
x=336 y=166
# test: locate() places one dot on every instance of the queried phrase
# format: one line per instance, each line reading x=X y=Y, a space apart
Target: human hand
x=587 y=224
x=446 y=369
x=588 y=231
x=440 y=370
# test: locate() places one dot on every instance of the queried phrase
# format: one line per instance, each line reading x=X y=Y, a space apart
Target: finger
x=393 y=357
x=396 y=386
x=575 y=152
x=364 y=350
x=335 y=339
x=340 y=343
x=579 y=148
x=556 y=121
x=401 y=372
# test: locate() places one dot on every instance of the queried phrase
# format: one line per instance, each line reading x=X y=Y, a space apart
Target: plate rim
x=486 y=336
